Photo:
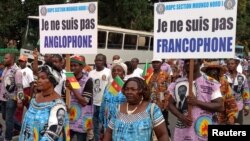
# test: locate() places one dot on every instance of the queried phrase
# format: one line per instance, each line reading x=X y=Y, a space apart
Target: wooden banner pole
x=190 y=80
x=68 y=70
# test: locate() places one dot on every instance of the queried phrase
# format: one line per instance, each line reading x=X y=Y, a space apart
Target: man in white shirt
x=137 y=71
x=101 y=77
x=28 y=77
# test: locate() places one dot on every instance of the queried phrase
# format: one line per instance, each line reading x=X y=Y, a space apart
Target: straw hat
x=213 y=64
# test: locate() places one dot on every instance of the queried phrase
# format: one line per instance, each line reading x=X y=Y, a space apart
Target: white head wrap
x=120 y=63
x=52 y=74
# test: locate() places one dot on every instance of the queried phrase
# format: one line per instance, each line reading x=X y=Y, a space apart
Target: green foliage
x=126 y=14
x=243 y=24
x=13 y=16
x=132 y=14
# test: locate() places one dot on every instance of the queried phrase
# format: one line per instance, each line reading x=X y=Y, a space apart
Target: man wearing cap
x=158 y=85
x=12 y=92
x=215 y=70
x=81 y=99
x=239 y=84
x=28 y=77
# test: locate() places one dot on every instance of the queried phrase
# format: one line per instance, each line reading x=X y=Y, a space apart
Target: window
x=31 y=38
x=102 y=39
x=238 y=50
x=143 y=43
x=115 y=40
x=152 y=43
x=130 y=41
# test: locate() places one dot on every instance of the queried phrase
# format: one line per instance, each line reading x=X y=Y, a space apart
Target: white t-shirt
x=60 y=85
x=101 y=80
x=28 y=77
x=129 y=76
x=138 y=72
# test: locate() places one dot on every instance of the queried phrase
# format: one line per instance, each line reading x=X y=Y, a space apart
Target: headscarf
x=53 y=75
x=78 y=59
x=120 y=63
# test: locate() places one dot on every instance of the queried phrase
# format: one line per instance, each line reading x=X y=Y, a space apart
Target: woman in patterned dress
x=111 y=100
x=46 y=118
x=134 y=120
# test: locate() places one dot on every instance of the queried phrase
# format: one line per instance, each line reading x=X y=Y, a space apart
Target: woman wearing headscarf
x=46 y=118
x=136 y=119
x=110 y=99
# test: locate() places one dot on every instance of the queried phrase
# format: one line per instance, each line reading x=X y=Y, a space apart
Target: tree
x=243 y=24
x=13 y=15
x=126 y=14
x=132 y=14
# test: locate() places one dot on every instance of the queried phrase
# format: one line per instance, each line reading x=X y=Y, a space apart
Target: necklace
x=131 y=112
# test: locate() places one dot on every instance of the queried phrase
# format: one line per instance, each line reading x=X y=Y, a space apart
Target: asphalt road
x=172 y=121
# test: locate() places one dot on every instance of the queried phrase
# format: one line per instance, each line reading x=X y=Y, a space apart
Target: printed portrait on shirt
x=240 y=80
x=97 y=85
x=181 y=92
x=55 y=127
x=9 y=83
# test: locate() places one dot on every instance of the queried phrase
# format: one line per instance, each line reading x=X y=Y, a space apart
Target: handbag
x=153 y=136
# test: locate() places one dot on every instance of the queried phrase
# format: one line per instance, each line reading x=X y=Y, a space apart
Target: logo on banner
x=160 y=8
x=92 y=8
x=229 y=4
x=43 y=11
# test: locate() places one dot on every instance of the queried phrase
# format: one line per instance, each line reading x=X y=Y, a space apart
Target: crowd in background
x=120 y=101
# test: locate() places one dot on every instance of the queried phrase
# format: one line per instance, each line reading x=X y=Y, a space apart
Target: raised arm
x=35 y=62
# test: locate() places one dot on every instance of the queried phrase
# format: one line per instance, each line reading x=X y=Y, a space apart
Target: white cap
x=156 y=60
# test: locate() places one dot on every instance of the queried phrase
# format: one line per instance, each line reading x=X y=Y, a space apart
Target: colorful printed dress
x=135 y=127
x=81 y=117
x=240 y=88
x=109 y=104
x=230 y=104
x=205 y=89
x=46 y=121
